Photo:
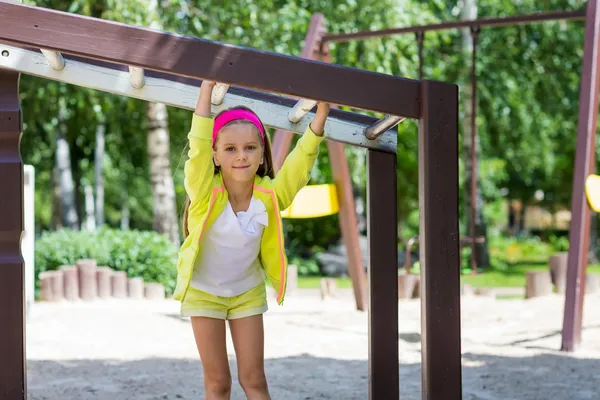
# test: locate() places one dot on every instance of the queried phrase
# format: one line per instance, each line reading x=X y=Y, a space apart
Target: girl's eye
x=229 y=148
x=251 y=147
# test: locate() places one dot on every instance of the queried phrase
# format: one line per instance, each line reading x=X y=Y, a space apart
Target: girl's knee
x=219 y=385
x=253 y=380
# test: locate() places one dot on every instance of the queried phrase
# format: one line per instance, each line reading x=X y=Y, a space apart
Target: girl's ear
x=216 y=160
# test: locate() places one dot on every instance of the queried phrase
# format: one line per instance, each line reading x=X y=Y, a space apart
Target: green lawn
x=513 y=276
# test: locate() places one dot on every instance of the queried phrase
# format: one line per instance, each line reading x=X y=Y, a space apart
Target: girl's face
x=239 y=152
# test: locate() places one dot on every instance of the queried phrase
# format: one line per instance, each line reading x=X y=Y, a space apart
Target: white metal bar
x=384 y=124
x=301 y=108
x=218 y=93
x=181 y=95
x=137 y=77
x=55 y=59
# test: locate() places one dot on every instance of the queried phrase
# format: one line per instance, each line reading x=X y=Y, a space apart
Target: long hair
x=265 y=169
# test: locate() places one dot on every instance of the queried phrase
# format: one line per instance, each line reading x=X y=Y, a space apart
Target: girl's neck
x=240 y=194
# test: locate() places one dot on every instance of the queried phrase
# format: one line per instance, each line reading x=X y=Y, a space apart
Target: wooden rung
x=136 y=76
x=300 y=109
x=384 y=124
x=56 y=60
x=218 y=93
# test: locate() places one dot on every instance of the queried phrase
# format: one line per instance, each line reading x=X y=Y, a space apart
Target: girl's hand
x=203 y=104
x=318 y=123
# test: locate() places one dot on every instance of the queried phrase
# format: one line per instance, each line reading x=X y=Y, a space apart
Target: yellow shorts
x=201 y=304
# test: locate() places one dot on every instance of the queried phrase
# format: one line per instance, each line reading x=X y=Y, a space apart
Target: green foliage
x=528 y=84
x=505 y=252
x=144 y=254
x=306 y=266
x=559 y=243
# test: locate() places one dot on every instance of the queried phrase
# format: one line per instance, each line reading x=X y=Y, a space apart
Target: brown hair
x=265 y=169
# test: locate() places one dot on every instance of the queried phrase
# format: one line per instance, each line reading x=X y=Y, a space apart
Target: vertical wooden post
x=384 y=382
x=13 y=382
x=282 y=139
x=585 y=155
x=439 y=242
x=348 y=221
x=341 y=173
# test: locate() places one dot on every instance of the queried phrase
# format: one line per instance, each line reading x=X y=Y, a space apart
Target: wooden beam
x=192 y=57
x=183 y=92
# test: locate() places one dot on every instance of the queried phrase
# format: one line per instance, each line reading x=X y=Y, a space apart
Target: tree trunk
x=69 y=213
x=163 y=189
x=125 y=210
x=90 y=220
x=482 y=257
x=98 y=162
x=56 y=201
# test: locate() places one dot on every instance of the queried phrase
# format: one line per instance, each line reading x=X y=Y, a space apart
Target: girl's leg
x=248 y=340
x=211 y=342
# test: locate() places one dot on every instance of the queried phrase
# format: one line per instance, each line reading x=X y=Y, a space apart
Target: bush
x=145 y=254
x=507 y=251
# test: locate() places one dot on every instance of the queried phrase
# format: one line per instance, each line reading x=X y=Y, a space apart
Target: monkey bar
x=168 y=60
x=183 y=92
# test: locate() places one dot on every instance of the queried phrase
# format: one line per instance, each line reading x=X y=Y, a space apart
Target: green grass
x=513 y=276
x=313 y=282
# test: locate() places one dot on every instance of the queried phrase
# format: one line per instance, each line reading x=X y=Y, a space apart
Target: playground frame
x=586 y=138
x=103 y=44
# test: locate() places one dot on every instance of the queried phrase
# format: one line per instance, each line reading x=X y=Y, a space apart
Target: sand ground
x=134 y=350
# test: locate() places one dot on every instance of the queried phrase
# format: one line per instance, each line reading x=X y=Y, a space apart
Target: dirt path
x=122 y=350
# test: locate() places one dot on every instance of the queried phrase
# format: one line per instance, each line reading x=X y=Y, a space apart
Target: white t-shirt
x=228 y=264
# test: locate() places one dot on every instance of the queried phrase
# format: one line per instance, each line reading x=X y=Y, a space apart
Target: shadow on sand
x=547 y=376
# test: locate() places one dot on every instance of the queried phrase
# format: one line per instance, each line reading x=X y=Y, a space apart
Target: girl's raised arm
x=295 y=171
x=203 y=103
x=199 y=169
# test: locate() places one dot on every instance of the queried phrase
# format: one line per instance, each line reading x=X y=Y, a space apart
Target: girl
x=233 y=237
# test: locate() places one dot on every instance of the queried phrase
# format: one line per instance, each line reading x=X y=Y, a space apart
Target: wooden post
x=585 y=156
x=406 y=285
x=558 y=271
x=383 y=272
x=71 y=282
x=537 y=283
x=592 y=283
x=103 y=275
x=88 y=285
x=135 y=288
x=439 y=242
x=119 y=284
x=154 y=291
x=13 y=374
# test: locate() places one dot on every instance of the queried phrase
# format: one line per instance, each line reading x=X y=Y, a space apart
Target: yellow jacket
x=208 y=198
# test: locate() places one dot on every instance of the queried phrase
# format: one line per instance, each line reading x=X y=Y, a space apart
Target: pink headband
x=232 y=115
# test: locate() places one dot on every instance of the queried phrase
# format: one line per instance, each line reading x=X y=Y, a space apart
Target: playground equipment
x=586 y=138
x=313 y=201
x=110 y=56
x=592 y=191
